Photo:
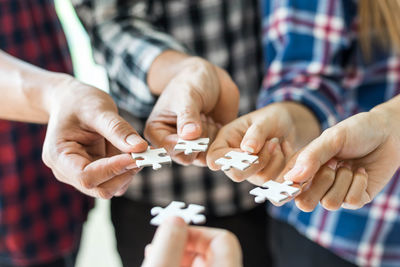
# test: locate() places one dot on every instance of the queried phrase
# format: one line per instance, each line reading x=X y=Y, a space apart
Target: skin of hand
x=85 y=133
x=85 y=138
x=176 y=244
x=196 y=87
x=274 y=133
x=367 y=147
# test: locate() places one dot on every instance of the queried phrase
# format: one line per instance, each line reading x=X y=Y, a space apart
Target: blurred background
x=98 y=247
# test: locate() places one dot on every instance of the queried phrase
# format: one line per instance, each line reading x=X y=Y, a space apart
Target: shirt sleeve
x=126 y=43
x=306 y=44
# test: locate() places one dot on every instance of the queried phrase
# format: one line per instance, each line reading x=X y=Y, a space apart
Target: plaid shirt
x=313 y=55
x=128 y=35
x=40 y=218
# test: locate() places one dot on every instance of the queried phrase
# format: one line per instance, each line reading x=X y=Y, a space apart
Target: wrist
x=305 y=123
x=388 y=117
x=164 y=68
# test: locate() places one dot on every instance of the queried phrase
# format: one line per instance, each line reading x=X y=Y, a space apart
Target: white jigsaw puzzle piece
x=190 y=146
x=238 y=160
x=274 y=191
x=152 y=157
x=177 y=208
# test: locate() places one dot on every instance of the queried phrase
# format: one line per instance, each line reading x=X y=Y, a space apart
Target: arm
x=139 y=58
x=85 y=134
x=24 y=89
x=305 y=61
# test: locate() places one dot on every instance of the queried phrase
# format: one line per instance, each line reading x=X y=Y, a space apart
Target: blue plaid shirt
x=313 y=57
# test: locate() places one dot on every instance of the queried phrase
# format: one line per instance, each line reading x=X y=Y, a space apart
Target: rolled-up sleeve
x=305 y=48
x=126 y=43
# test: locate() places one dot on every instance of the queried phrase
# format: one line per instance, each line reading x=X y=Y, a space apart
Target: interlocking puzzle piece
x=238 y=160
x=190 y=146
x=152 y=157
x=176 y=208
x=274 y=191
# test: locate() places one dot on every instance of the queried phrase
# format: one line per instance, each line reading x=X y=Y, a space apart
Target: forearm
x=390 y=113
x=25 y=90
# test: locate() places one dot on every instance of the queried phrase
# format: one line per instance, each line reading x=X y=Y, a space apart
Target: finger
x=335 y=196
x=219 y=248
x=316 y=154
x=104 y=169
x=122 y=190
x=210 y=130
x=228 y=138
x=287 y=149
x=110 y=188
x=189 y=118
x=316 y=189
x=272 y=168
x=118 y=131
x=256 y=136
x=168 y=244
x=357 y=196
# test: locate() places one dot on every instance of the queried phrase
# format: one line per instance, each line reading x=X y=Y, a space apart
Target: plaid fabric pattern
x=40 y=218
x=128 y=35
x=313 y=57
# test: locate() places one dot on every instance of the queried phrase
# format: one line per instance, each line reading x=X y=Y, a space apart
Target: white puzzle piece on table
x=190 y=146
x=274 y=191
x=238 y=160
x=152 y=157
x=177 y=208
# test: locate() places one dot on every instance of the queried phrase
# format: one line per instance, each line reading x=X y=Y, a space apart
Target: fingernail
x=332 y=164
x=273 y=143
x=131 y=166
x=249 y=146
x=349 y=207
x=189 y=128
x=296 y=171
x=362 y=171
x=133 y=140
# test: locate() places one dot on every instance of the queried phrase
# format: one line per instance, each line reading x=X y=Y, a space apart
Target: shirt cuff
x=326 y=113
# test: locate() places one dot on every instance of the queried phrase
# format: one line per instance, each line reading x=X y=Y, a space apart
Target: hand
x=274 y=133
x=84 y=138
x=177 y=244
x=199 y=87
x=368 y=144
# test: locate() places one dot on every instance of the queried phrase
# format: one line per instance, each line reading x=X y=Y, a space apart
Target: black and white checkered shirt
x=128 y=35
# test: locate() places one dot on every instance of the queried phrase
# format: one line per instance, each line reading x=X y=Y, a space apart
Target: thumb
x=189 y=120
x=315 y=155
x=168 y=245
x=118 y=132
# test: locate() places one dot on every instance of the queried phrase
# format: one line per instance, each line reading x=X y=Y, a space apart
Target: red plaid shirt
x=40 y=218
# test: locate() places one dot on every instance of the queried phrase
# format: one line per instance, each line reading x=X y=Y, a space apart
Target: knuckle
x=235 y=177
x=45 y=157
x=104 y=193
x=115 y=125
x=85 y=183
x=327 y=175
x=335 y=136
